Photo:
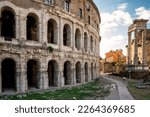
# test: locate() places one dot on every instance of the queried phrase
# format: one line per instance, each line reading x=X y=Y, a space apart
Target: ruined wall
x=39 y=63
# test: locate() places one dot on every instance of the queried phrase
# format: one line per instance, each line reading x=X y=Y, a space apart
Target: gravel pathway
x=120 y=92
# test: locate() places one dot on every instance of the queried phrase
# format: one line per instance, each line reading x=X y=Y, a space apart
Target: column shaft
x=136 y=48
x=129 y=48
x=144 y=50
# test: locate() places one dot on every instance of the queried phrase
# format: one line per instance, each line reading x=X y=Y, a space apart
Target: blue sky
x=116 y=16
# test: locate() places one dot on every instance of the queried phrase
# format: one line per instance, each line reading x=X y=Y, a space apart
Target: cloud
x=117 y=39
x=111 y=21
x=115 y=42
x=123 y=6
x=142 y=13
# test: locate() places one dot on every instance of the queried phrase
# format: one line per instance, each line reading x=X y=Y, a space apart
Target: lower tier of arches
x=20 y=76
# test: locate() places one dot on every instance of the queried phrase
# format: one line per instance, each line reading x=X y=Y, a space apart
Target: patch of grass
x=92 y=90
x=138 y=94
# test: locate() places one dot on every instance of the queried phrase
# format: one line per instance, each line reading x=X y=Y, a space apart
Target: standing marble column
x=135 y=48
x=144 y=50
x=129 y=47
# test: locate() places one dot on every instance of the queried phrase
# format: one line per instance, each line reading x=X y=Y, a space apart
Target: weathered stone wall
x=21 y=50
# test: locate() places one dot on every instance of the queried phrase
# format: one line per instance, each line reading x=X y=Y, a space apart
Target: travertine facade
x=48 y=43
x=138 y=45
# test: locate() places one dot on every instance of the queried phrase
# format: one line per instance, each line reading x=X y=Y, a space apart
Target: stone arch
x=52 y=31
x=66 y=35
x=85 y=42
x=9 y=4
x=78 y=72
x=78 y=39
x=8 y=73
x=92 y=69
x=91 y=39
x=86 y=71
x=52 y=73
x=67 y=73
x=33 y=74
x=32 y=27
x=8 y=27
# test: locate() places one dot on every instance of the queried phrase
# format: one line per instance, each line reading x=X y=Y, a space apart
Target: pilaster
x=17 y=26
x=60 y=34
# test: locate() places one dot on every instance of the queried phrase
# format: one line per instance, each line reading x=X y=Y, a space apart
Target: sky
x=116 y=17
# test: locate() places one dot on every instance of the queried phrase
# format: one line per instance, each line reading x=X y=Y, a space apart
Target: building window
x=67 y=5
x=49 y=2
x=80 y=13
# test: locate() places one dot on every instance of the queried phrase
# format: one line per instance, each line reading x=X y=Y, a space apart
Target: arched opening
x=32 y=74
x=86 y=72
x=85 y=42
x=52 y=73
x=91 y=44
x=52 y=31
x=67 y=73
x=32 y=27
x=66 y=35
x=8 y=75
x=78 y=39
x=7 y=24
x=92 y=77
x=78 y=72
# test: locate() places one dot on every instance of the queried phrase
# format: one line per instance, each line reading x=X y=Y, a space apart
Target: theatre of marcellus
x=48 y=43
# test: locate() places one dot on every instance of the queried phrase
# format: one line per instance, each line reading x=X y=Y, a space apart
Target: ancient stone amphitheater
x=48 y=43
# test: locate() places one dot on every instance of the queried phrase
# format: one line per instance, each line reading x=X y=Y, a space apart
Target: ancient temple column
x=144 y=50
x=135 y=48
x=17 y=31
x=129 y=47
